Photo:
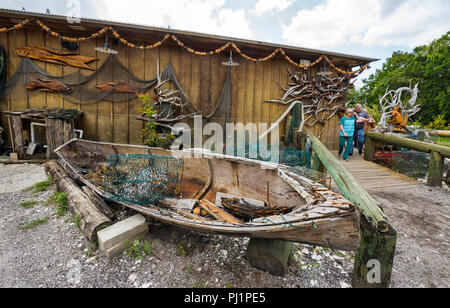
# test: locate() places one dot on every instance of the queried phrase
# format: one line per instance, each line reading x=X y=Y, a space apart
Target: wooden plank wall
x=201 y=77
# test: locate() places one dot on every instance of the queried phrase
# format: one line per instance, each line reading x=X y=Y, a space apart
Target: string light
x=104 y=31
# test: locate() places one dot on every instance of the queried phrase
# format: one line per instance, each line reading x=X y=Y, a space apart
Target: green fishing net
x=142 y=179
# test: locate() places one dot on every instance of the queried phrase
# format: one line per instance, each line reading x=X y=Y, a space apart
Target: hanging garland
x=104 y=30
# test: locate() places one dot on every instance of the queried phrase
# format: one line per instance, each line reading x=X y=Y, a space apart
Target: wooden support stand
x=268 y=255
x=374 y=258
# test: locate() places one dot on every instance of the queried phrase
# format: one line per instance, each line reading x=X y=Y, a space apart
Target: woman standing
x=346 y=131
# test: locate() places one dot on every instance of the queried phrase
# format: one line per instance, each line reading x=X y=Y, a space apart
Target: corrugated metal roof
x=26 y=14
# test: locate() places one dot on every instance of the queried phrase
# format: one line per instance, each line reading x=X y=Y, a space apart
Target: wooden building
x=201 y=76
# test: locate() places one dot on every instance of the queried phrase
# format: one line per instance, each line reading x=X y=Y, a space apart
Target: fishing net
x=292 y=157
x=288 y=156
x=143 y=179
x=384 y=158
x=411 y=163
x=315 y=176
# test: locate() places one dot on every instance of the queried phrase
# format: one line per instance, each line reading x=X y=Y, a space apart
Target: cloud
x=205 y=16
x=270 y=6
x=368 y=23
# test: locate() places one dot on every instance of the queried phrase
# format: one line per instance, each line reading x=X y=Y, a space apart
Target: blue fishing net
x=142 y=178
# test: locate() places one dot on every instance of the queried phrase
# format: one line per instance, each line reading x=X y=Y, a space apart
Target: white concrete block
x=114 y=239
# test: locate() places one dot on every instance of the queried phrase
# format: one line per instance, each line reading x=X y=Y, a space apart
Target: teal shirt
x=349 y=126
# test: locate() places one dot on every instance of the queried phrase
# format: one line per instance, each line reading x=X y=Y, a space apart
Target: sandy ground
x=55 y=254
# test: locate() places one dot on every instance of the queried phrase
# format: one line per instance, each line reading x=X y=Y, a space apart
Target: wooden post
x=18 y=138
x=50 y=137
x=435 y=170
x=374 y=258
x=268 y=255
x=317 y=164
x=369 y=149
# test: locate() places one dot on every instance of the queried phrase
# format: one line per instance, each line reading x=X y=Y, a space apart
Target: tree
x=427 y=65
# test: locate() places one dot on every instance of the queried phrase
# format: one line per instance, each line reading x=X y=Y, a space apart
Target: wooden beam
x=349 y=186
x=91 y=218
x=409 y=143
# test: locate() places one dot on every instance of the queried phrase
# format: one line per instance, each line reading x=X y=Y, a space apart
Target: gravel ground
x=55 y=254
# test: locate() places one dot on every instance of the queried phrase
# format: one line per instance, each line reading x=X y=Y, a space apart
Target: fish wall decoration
x=50 y=55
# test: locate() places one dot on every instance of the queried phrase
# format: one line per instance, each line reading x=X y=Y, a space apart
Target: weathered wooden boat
x=310 y=213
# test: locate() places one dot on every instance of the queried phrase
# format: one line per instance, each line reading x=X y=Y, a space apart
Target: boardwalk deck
x=374 y=177
x=419 y=213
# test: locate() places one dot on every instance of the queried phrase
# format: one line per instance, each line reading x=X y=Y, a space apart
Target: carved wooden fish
x=120 y=87
x=49 y=55
x=46 y=85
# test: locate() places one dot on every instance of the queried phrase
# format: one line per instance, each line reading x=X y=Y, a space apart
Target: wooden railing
x=438 y=152
x=378 y=238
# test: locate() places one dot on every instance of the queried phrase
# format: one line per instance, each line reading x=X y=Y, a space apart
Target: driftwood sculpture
x=320 y=95
x=49 y=55
x=46 y=85
x=395 y=112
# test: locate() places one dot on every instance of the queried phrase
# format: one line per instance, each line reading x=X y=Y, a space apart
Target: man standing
x=362 y=117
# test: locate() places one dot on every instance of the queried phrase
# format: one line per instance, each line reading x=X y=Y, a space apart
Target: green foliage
x=33 y=224
x=76 y=220
x=151 y=137
x=39 y=187
x=426 y=65
x=28 y=204
x=60 y=201
x=438 y=123
x=138 y=249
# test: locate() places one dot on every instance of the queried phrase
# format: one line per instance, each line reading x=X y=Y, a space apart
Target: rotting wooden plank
x=217 y=213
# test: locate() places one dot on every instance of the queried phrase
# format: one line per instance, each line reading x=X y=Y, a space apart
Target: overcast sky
x=371 y=28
